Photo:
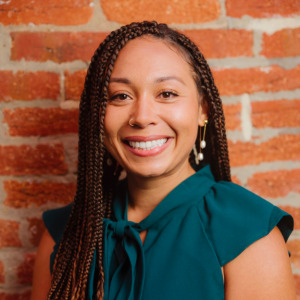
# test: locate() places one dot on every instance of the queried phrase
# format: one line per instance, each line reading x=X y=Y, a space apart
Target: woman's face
x=152 y=88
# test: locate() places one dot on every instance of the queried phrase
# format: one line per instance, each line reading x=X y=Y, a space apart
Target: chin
x=146 y=173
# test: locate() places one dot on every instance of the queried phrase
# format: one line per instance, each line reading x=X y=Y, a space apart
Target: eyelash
x=171 y=94
x=119 y=97
x=165 y=95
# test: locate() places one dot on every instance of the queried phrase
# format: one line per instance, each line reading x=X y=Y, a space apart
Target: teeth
x=147 y=145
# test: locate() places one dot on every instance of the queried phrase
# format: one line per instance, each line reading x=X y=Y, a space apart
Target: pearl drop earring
x=202 y=142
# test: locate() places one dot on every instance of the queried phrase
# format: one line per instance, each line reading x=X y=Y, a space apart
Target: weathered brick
x=276 y=114
x=2 y=274
x=266 y=79
x=295 y=212
x=25 y=159
x=25 y=269
x=30 y=193
x=166 y=11
x=28 y=85
x=275 y=184
x=41 y=121
x=74 y=84
x=36 y=229
x=279 y=148
x=234 y=42
x=24 y=296
x=9 y=234
x=58 y=12
x=262 y=9
x=294 y=248
x=56 y=46
x=282 y=43
x=236 y=180
x=233 y=116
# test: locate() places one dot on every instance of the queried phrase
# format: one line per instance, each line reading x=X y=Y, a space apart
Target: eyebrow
x=166 y=78
x=120 y=80
x=158 y=80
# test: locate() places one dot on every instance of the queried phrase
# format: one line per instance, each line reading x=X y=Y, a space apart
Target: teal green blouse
x=198 y=227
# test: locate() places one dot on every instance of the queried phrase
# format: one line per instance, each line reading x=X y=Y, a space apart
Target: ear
x=203 y=115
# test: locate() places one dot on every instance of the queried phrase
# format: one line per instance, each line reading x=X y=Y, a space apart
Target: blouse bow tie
x=124 y=260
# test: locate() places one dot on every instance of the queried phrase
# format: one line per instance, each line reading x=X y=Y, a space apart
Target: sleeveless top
x=196 y=229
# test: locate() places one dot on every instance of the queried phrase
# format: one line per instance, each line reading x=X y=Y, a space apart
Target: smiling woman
x=175 y=227
x=163 y=109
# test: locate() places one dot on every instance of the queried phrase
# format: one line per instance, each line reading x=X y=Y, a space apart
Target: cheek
x=110 y=130
x=185 y=118
x=111 y=121
x=113 y=125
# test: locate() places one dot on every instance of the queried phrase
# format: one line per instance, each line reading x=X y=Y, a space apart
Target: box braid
x=96 y=180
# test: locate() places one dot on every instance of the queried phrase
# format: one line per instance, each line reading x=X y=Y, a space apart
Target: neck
x=147 y=192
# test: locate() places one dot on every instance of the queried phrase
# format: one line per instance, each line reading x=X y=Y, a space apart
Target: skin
x=146 y=77
x=164 y=103
x=41 y=274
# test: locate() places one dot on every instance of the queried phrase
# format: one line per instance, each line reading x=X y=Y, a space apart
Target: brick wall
x=253 y=47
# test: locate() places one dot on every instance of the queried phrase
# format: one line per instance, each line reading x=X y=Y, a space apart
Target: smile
x=147 y=145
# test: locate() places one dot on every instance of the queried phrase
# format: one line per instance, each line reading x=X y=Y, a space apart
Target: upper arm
x=262 y=271
x=41 y=274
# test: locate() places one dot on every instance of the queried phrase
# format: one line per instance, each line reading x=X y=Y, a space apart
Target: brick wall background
x=253 y=47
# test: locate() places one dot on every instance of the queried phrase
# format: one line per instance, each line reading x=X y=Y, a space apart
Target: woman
x=150 y=107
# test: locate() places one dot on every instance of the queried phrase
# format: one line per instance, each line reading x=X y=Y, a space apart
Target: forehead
x=150 y=53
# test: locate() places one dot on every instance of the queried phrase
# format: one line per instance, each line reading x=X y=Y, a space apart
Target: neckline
x=189 y=190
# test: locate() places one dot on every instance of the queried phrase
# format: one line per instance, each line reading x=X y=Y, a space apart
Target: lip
x=146 y=153
x=139 y=138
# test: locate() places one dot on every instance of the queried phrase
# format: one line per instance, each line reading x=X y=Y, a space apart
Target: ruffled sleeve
x=234 y=218
x=55 y=221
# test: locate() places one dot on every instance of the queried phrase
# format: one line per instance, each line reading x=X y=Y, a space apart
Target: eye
x=168 y=94
x=120 y=97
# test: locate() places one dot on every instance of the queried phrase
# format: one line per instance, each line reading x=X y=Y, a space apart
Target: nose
x=143 y=113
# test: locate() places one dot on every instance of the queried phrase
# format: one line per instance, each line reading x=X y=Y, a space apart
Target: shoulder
x=234 y=218
x=56 y=220
x=41 y=274
x=262 y=271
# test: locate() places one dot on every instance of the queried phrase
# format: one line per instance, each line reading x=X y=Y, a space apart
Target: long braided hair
x=83 y=237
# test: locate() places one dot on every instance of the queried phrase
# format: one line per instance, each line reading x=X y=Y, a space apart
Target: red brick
x=25 y=269
x=166 y=11
x=236 y=180
x=276 y=114
x=275 y=184
x=262 y=9
x=28 y=85
x=70 y=46
x=58 y=12
x=279 y=148
x=36 y=229
x=295 y=212
x=2 y=274
x=267 y=79
x=74 y=84
x=9 y=234
x=233 y=116
x=40 y=121
x=27 y=194
x=25 y=159
x=56 y=46
x=294 y=248
x=222 y=43
x=282 y=43
x=24 y=296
